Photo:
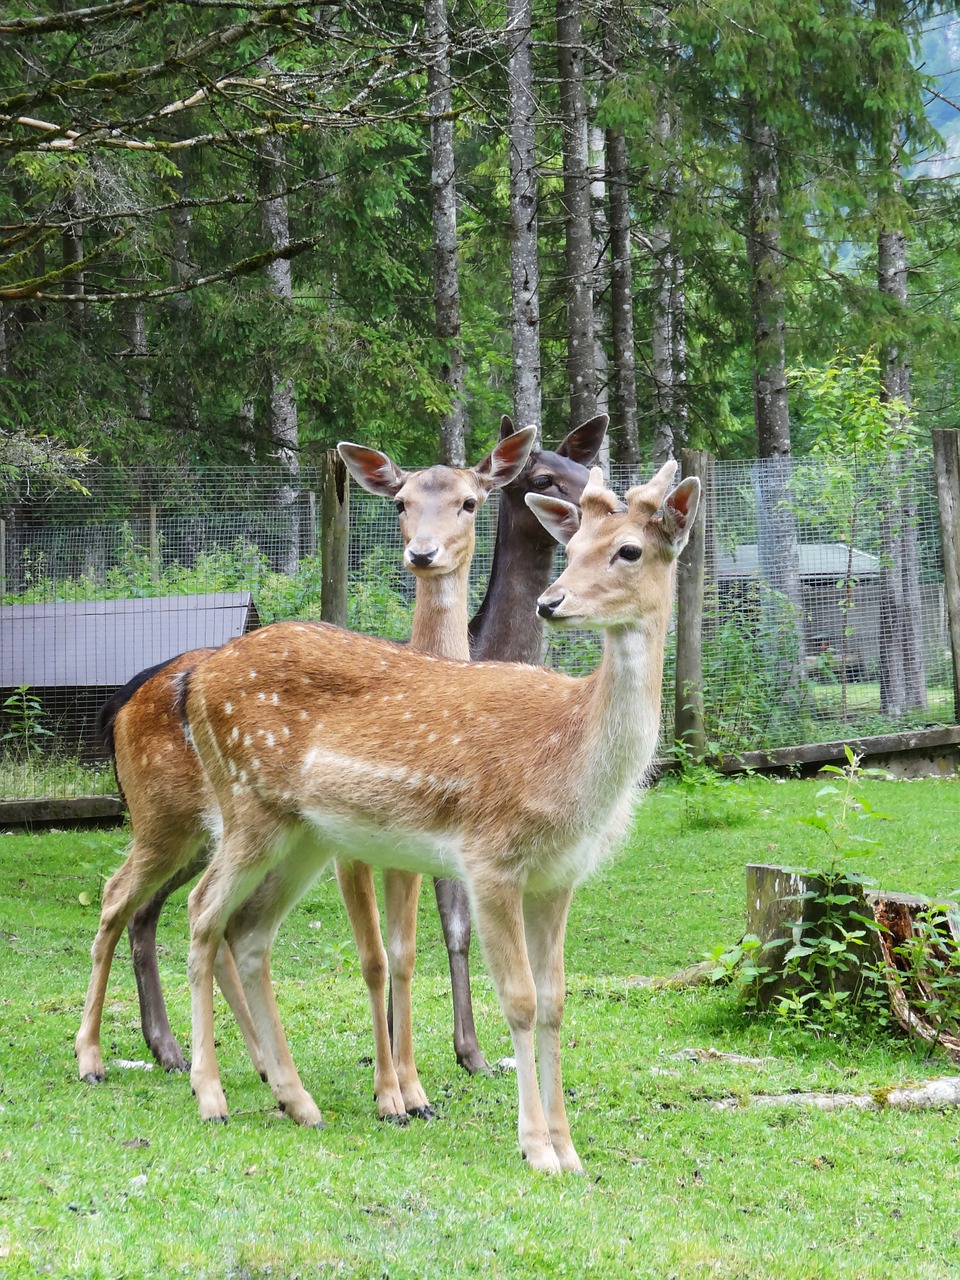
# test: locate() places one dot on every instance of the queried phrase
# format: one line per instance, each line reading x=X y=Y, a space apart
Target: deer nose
x=421 y=559
x=547 y=608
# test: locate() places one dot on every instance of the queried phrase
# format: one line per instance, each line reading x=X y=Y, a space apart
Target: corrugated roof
x=106 y=642
x=816 y=559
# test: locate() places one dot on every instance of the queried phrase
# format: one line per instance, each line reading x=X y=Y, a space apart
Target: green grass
x=122 y=1180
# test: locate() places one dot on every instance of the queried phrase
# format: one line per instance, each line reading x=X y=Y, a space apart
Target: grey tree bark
x=524 y=229
x=902 y=683
x=443 y=200
x=601 y=280
x=282 y=424
x=777 y=528
x=578 y=254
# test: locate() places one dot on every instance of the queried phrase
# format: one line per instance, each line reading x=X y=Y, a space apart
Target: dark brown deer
x=518 y=779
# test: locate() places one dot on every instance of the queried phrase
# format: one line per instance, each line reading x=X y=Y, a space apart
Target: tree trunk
x=443 y=199
x=187 y=414
x=776 y=521
x=71 y=241
x=601 y=281
x=621 y=305
x=578 y=256
x=624 y=379
x=902 y=684
x=524 y=267
x=281 y=394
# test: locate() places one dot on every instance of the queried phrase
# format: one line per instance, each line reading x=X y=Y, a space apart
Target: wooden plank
x=913 y=740
x=946 y=454
x=22 y=813
x=334 y=539
x=688 y=690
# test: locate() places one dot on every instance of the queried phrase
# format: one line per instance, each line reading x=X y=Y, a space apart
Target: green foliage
x=827 y=979
x=22 y=718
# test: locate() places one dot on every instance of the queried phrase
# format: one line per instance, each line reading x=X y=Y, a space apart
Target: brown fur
x=516 y=778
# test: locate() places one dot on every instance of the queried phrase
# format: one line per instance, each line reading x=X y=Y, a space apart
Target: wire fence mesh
x=824 y=605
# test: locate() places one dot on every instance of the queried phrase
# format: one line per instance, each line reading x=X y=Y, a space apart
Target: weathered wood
x=933 y=1095
x=688 y=697
x=309 y=523
x=884 y=746
x=334 y=538
x=785 y=907
x=153 y=542
x=946 y=454
x=20 y=813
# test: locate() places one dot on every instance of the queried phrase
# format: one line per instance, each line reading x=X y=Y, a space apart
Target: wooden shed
x=73 y=655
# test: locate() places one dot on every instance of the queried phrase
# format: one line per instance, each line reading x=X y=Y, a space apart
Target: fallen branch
x=934 y=1095
x=698 y=975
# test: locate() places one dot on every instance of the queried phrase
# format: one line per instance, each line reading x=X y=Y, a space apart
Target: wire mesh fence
x=824 y=605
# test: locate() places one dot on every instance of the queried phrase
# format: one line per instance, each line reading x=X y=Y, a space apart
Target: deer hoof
x=399 y=1118
x=422 y=1113
x=93 y=1077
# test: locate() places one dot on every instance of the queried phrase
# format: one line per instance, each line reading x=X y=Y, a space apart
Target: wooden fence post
x=153 y=541
x=689 y=728
x=334 y=538
x=946 y=464
x=309 y=523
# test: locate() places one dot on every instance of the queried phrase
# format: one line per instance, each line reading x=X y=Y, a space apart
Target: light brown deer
x=173 y=809
x=516 y=779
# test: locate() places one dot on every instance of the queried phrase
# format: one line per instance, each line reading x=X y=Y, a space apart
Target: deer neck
x=440 y=615
x=624 y=705
x=506 y=626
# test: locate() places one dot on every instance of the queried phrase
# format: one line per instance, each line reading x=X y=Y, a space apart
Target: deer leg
x=228 y=980
x=251 y=931
x=356 y=888
x=142 y=932
x=545 y=920
x=401 y=890
x=231 y=877
x=454 y=907
x=498 y=915
x=146 y=868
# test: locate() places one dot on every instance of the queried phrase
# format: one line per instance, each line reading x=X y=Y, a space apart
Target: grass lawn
x=122 y=1180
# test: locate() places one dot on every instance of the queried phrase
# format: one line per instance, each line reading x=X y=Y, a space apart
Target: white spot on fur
x=253 y=675
x=275 y=699
x=261 y=697
x=431 y=737
x=232 y=768
x=255 y=763
x=453 y=741
x=234 y=733
x=270 y=740
x=286 y=732
x=228 y=708
x=304 y=715
x=247 y=739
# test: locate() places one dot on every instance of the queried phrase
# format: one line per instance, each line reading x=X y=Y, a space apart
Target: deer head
x=618 y=549
x=437 y=506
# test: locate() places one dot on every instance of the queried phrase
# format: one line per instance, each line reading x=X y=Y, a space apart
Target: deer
x=516 y=779
x=171 y=802
x=173 y=809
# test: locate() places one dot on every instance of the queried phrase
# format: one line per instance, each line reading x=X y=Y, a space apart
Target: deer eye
x=630 y=552
x=401 y=506
x=541 y=482
x=470 y=504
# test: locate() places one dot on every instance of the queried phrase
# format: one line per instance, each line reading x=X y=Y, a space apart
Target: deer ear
x=583 y=443
x=506 y=426
x=372 y=470
x=680 y=511
x=504 y=463
x=560 y=519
